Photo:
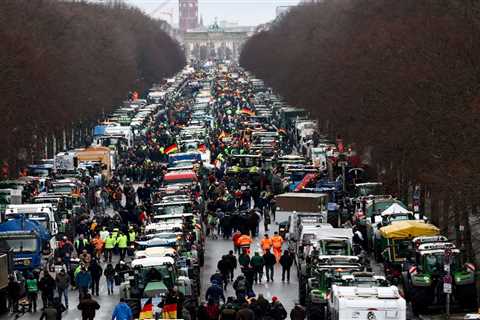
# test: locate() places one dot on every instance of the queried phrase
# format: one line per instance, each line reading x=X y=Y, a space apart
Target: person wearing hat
x=277 y=310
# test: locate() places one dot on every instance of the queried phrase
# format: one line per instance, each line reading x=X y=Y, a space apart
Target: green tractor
x=315 y=283
x=434 y=262
x=152 y=277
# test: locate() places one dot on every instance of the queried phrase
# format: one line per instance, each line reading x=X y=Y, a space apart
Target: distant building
x=215 y=42
x=188 y=14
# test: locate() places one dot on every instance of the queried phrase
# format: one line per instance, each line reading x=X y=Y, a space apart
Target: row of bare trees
x=401 y=79
x=64 y=64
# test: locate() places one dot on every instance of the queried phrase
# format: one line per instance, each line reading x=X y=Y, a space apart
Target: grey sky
x=244 y=12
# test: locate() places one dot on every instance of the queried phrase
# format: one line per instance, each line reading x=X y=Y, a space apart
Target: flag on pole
x=171 y=149
x=147 y=310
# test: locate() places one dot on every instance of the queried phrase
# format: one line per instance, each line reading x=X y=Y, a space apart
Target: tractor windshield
x=434 y=262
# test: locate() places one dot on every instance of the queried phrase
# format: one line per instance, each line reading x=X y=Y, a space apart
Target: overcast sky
x=245 y=12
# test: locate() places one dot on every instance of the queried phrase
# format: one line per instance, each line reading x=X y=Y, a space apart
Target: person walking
x=269 y=261
x=110 y=242
x=224 y=268
x=13 y=291
x=83 y=279
x=232 y=264
x=277 y=242
x=122 y=243
x=244 y=243
x=257 y=264
x=122 y=311
x=236 y=245
x=286 y=262
x=47 y=287
x=96 y=272
x=31 y=285
x=266 y=243
x=88 y=306
x=244 y=259
x=215 y=293
x=110 y=277
x=62 y=279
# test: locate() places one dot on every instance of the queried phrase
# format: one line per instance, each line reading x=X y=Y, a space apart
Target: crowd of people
x=98 y=239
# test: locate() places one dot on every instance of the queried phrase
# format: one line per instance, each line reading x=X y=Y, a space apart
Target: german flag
x=172 y=149
x=147 y=310
x=248 y=111
x=169 y=311
x=202 y=148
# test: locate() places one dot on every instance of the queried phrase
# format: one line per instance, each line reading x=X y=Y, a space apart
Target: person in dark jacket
x=47 y=287
x=83 y=281
x=215 y=293
x=96 y=272
x=228 y=310
x=13 y=291
x=286 y=262
x=270 y=261
x=62 y=280
x=110 y=276
x=277 y=310
x=232 y=264
x=224 y=268
x=245 y=313
x=263 y=304
x=88 y=306
x=298 y=313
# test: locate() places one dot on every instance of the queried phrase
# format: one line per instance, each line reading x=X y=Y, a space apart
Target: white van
x=378 y=303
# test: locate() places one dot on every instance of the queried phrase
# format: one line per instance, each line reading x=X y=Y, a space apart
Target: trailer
x=379 y=303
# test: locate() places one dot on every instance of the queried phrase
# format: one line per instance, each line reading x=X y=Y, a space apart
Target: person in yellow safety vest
x=277 y=242
x=266 y=244
x=131 y=235
x=244 y=242
x=109 y=245
x=115 y=233
x=122 y=242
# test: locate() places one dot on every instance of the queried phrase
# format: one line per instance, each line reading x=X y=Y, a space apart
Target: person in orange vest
x=244 y=243
x=266 y=243
x=235 y=237
x=277 y=242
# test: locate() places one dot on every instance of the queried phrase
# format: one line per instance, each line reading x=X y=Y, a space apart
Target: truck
x=43 y=213
x=28 y=239
x=303 y=202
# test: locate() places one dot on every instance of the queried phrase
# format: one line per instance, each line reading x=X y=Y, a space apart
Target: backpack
x=241 y=285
